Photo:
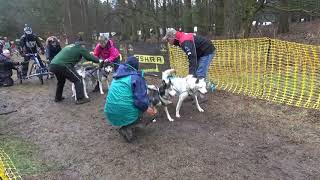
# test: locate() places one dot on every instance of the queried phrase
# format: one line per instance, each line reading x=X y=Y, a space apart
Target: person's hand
x=101 y=63
x=152 y=111
x=42 y=51
x=16 y=63
x=107 y=60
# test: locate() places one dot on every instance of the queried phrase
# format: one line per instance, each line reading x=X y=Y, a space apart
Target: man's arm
x=190 y=50
x=84 y=53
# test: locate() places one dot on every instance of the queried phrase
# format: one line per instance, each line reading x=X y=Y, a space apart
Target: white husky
x=183 y=87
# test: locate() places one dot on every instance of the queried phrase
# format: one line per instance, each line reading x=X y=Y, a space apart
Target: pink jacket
x=109 y=52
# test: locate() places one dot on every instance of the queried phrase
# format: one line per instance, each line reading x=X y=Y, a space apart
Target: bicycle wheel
x=19 y=76
x=32 y=69
x=41 y=79
x=39 y=72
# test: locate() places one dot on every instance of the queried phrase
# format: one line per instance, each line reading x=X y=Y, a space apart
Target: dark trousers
x=66 y=72
x=26 y=65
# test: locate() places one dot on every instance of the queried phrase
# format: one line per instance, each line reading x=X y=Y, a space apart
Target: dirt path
x=236 y=138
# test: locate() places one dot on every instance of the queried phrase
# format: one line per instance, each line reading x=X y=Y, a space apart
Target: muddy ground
x=235 y=138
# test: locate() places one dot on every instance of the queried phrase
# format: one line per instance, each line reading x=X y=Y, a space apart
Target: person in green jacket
x=62 y=65
x=127 y=98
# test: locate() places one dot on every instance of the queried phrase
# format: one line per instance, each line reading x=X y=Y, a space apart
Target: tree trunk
x=188 y=16
x=219 y=27
x=232 y=17
x=164 y=17
x=68 y=22
x=96 y=5
x=283 y=26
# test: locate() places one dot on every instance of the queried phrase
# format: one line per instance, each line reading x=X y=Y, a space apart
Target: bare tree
x=283 y=26
x=188 y=16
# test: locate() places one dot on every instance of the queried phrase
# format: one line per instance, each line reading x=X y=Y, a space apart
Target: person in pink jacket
x=106 y=50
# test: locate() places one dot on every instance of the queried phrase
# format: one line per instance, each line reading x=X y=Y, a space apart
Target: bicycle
x=36 y=69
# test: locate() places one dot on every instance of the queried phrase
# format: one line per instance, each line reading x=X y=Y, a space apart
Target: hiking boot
x=126 y=133
x=82 y=101
x=59 y=99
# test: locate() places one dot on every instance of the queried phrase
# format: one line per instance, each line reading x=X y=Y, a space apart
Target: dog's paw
x=201 y=110
x=86 y=97
x=171 y=120
x=101 y=93
x=178 y=115
x=154 y=120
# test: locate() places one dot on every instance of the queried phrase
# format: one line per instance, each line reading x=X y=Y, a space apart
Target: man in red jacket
x=199 y=50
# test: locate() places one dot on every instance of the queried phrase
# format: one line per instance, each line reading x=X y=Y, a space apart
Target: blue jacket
x=127 y=97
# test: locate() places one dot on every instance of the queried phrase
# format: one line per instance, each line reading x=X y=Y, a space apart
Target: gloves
x=101 y=63
x=16 y=63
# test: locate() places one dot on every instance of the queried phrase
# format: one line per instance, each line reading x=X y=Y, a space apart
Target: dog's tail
x=167 y=73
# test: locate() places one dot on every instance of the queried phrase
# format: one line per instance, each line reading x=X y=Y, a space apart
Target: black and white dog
x=92 y=75
x=175 y=86
x=160 y=97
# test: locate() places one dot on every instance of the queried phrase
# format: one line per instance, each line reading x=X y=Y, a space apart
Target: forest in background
x=141 y=20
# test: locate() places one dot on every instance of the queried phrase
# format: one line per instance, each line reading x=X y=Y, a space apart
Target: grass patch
x=23 y=155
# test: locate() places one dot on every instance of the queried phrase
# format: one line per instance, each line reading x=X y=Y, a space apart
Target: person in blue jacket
x=127 y=98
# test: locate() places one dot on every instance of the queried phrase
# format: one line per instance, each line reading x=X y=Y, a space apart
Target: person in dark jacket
x=199 y=50
x=6 y=66
x=127 y=98
x=52 y=47
x=1 y=46
x=29 y=44
x=63 y=64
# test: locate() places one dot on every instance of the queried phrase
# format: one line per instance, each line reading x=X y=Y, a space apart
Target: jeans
x=203 y=65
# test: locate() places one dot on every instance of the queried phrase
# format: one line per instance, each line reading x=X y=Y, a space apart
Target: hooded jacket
x=109 y=52
x=127 y=97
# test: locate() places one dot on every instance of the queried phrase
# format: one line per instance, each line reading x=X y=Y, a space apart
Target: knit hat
x=133 y=61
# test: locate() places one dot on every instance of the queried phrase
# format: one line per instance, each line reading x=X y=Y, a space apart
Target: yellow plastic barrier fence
x=7 y=169
x=269 y=69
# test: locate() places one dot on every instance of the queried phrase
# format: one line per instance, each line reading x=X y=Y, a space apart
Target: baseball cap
x=170 y=33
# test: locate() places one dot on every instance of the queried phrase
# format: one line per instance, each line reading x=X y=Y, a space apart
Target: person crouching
x=6 y=66
x=127 y=98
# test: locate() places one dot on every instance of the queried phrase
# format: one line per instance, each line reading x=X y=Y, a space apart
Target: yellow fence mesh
x=10 y=172
x=269 y=69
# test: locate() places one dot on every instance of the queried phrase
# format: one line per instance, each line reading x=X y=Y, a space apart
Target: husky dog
x=183 y=87
x=160 y=97
x=94 y=75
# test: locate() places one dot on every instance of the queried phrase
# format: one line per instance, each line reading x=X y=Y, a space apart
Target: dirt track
x=236 y=138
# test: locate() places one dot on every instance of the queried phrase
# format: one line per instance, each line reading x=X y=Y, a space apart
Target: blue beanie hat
x=133 y=61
